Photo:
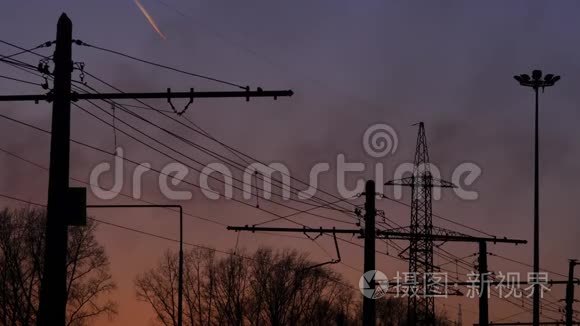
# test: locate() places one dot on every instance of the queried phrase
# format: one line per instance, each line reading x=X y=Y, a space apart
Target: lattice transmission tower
x=421 y=307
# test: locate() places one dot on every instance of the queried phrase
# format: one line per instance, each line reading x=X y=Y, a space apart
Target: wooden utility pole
x=570 y=292
x=369 y=314
x=63 y=208
x=52 y=308
x=483 y=286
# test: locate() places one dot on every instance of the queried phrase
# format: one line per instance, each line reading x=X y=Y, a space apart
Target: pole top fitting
x=64 y=19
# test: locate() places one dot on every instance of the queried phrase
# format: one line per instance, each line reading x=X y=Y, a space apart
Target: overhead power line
x=24 y=50
x=79 y=42
x=20 y=80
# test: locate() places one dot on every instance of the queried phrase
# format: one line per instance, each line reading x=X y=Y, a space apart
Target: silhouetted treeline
x=265 y=288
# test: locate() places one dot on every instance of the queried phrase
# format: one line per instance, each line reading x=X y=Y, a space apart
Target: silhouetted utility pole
x=536 y=82
x=483 y=286
x=64 y=203
x=369 y=313
x=570 y=292
x=52 y=307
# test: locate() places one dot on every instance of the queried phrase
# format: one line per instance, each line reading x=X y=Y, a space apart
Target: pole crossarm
x=436 y=231
x=383 y=234
x=304 y=230
x=413 y=181
x=297 y=230
x=160 y=95
x=134 y=206
x=332 y=260
x=393 y=235
x=442 y=231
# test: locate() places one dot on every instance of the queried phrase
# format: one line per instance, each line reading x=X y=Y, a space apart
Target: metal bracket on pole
x=332 y=261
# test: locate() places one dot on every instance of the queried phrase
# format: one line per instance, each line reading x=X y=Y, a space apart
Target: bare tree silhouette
x=89 y=281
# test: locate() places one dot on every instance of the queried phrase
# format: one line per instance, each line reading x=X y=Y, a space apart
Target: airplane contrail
x=149 y=19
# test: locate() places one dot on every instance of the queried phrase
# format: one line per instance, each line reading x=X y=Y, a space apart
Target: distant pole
x=180 y=286
x=483 y=287
x=369 y=263
x=52 y=306
x=570 y=292
x=536 y=82
x=536 y=311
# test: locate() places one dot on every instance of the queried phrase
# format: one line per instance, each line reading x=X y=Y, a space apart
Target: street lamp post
x=536 y=82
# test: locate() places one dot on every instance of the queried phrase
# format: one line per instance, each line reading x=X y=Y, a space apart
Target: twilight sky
x=351 y=65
